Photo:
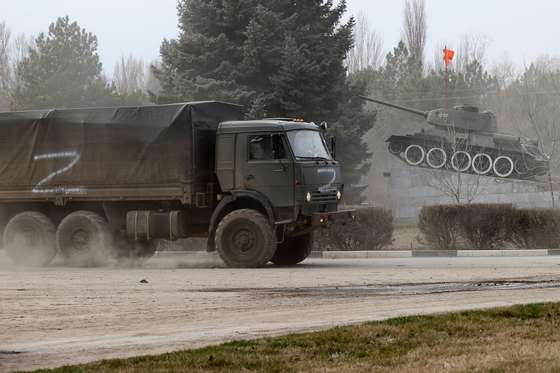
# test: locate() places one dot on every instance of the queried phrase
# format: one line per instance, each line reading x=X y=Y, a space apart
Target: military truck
x=89 y=184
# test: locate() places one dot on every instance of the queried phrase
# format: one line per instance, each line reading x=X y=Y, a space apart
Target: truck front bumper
x=320 y=219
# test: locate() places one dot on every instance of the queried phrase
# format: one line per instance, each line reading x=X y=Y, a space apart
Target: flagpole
x=446 y=101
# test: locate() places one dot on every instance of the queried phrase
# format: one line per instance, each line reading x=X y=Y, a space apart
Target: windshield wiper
x=314 y=158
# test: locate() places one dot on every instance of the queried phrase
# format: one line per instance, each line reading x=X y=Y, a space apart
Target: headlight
x=339 y=195
x=308 y=197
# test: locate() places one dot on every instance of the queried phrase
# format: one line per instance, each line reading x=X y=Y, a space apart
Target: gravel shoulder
x=59 y=316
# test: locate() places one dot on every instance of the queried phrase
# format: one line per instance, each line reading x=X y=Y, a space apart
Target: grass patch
x=515 y=339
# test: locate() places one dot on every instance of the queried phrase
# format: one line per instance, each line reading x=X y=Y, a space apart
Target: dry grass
x=517 y=339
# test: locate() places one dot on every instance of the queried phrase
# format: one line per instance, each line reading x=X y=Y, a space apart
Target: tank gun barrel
x=398 y=107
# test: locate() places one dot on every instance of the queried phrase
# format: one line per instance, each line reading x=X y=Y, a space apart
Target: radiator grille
x=323 y=197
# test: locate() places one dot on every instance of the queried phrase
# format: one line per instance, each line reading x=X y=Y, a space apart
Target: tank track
x=437 y=153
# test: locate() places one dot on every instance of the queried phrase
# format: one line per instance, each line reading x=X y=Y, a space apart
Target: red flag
x=448 y=55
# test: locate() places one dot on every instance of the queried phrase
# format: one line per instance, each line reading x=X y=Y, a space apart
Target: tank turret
x=466 y=140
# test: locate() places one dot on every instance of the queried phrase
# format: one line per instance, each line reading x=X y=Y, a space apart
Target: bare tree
x=454 y=183
x=460 y=188
x=367 y=52
x=152 y=85
x=12 y=51
x=20 y=47
x=415 y=29
x=472 y=47
x=505 y=71
x=5 y=66
x=540 y=101
x=129 y=76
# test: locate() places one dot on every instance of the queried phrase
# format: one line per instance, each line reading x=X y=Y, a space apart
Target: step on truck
x=91 y=184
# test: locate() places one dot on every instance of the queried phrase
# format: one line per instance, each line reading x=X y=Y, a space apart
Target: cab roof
x=265 y=125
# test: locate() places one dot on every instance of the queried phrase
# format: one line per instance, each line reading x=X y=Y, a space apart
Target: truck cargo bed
x=132 y=153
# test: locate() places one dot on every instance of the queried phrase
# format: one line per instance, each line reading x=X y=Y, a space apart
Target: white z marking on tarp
x=75 y=158
x=328 y=186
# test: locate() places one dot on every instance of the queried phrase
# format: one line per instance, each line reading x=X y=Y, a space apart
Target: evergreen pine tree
x=62 y=69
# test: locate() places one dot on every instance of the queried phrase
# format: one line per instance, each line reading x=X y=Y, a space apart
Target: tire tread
x=49 y=230
x=262 y=222
x=100 y=224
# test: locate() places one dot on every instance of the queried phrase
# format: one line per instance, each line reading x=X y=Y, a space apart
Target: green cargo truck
x=90 y=183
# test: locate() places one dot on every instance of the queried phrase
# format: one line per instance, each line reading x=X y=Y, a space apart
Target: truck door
x=268 y=167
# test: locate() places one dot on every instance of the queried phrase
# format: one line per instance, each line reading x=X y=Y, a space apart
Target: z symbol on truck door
x=329 y=186
x=73 y=158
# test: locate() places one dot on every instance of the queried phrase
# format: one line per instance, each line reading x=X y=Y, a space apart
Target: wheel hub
x=244 y=240
x=29 y=237
x=81 y=239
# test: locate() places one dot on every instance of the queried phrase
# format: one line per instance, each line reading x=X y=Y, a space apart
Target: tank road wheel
x=245 y=239
x=482 y=164
x=503 y=166
x=395 y=148
x=83 y=238
x=414 y=155
x=29 y=239
x=293 y=251
x=461 y=161
x=436 y=158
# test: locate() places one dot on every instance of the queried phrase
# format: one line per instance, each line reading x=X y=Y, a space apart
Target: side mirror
x=332 y=146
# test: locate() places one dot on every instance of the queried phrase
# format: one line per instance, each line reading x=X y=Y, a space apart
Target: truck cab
x=286 y=169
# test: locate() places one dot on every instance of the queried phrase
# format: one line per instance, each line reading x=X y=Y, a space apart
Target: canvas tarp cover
x=87 y=148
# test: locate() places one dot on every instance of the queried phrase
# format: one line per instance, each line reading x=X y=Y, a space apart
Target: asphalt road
x=59 y=316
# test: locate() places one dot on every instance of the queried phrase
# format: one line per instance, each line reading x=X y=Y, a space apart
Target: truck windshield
x=308 y=144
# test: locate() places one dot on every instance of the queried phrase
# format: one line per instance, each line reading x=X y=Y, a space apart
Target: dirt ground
x=58 y=316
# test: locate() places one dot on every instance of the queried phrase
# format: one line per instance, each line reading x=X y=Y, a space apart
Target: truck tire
x=29 y=239
x=83 y=239
x=293 y=251
x=245 y=239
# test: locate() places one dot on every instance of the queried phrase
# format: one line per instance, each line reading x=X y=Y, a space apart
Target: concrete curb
x=495 y=253
x=362 y=254
x=433 y=253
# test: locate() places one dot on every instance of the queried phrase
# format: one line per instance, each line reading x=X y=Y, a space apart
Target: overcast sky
x=523 y=29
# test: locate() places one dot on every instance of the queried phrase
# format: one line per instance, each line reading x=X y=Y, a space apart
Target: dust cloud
x=173 y=256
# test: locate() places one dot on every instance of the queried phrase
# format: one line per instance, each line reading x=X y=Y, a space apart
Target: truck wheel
x=293 y=251
x=83 y=239
x=245 y=239
x=29 y=239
